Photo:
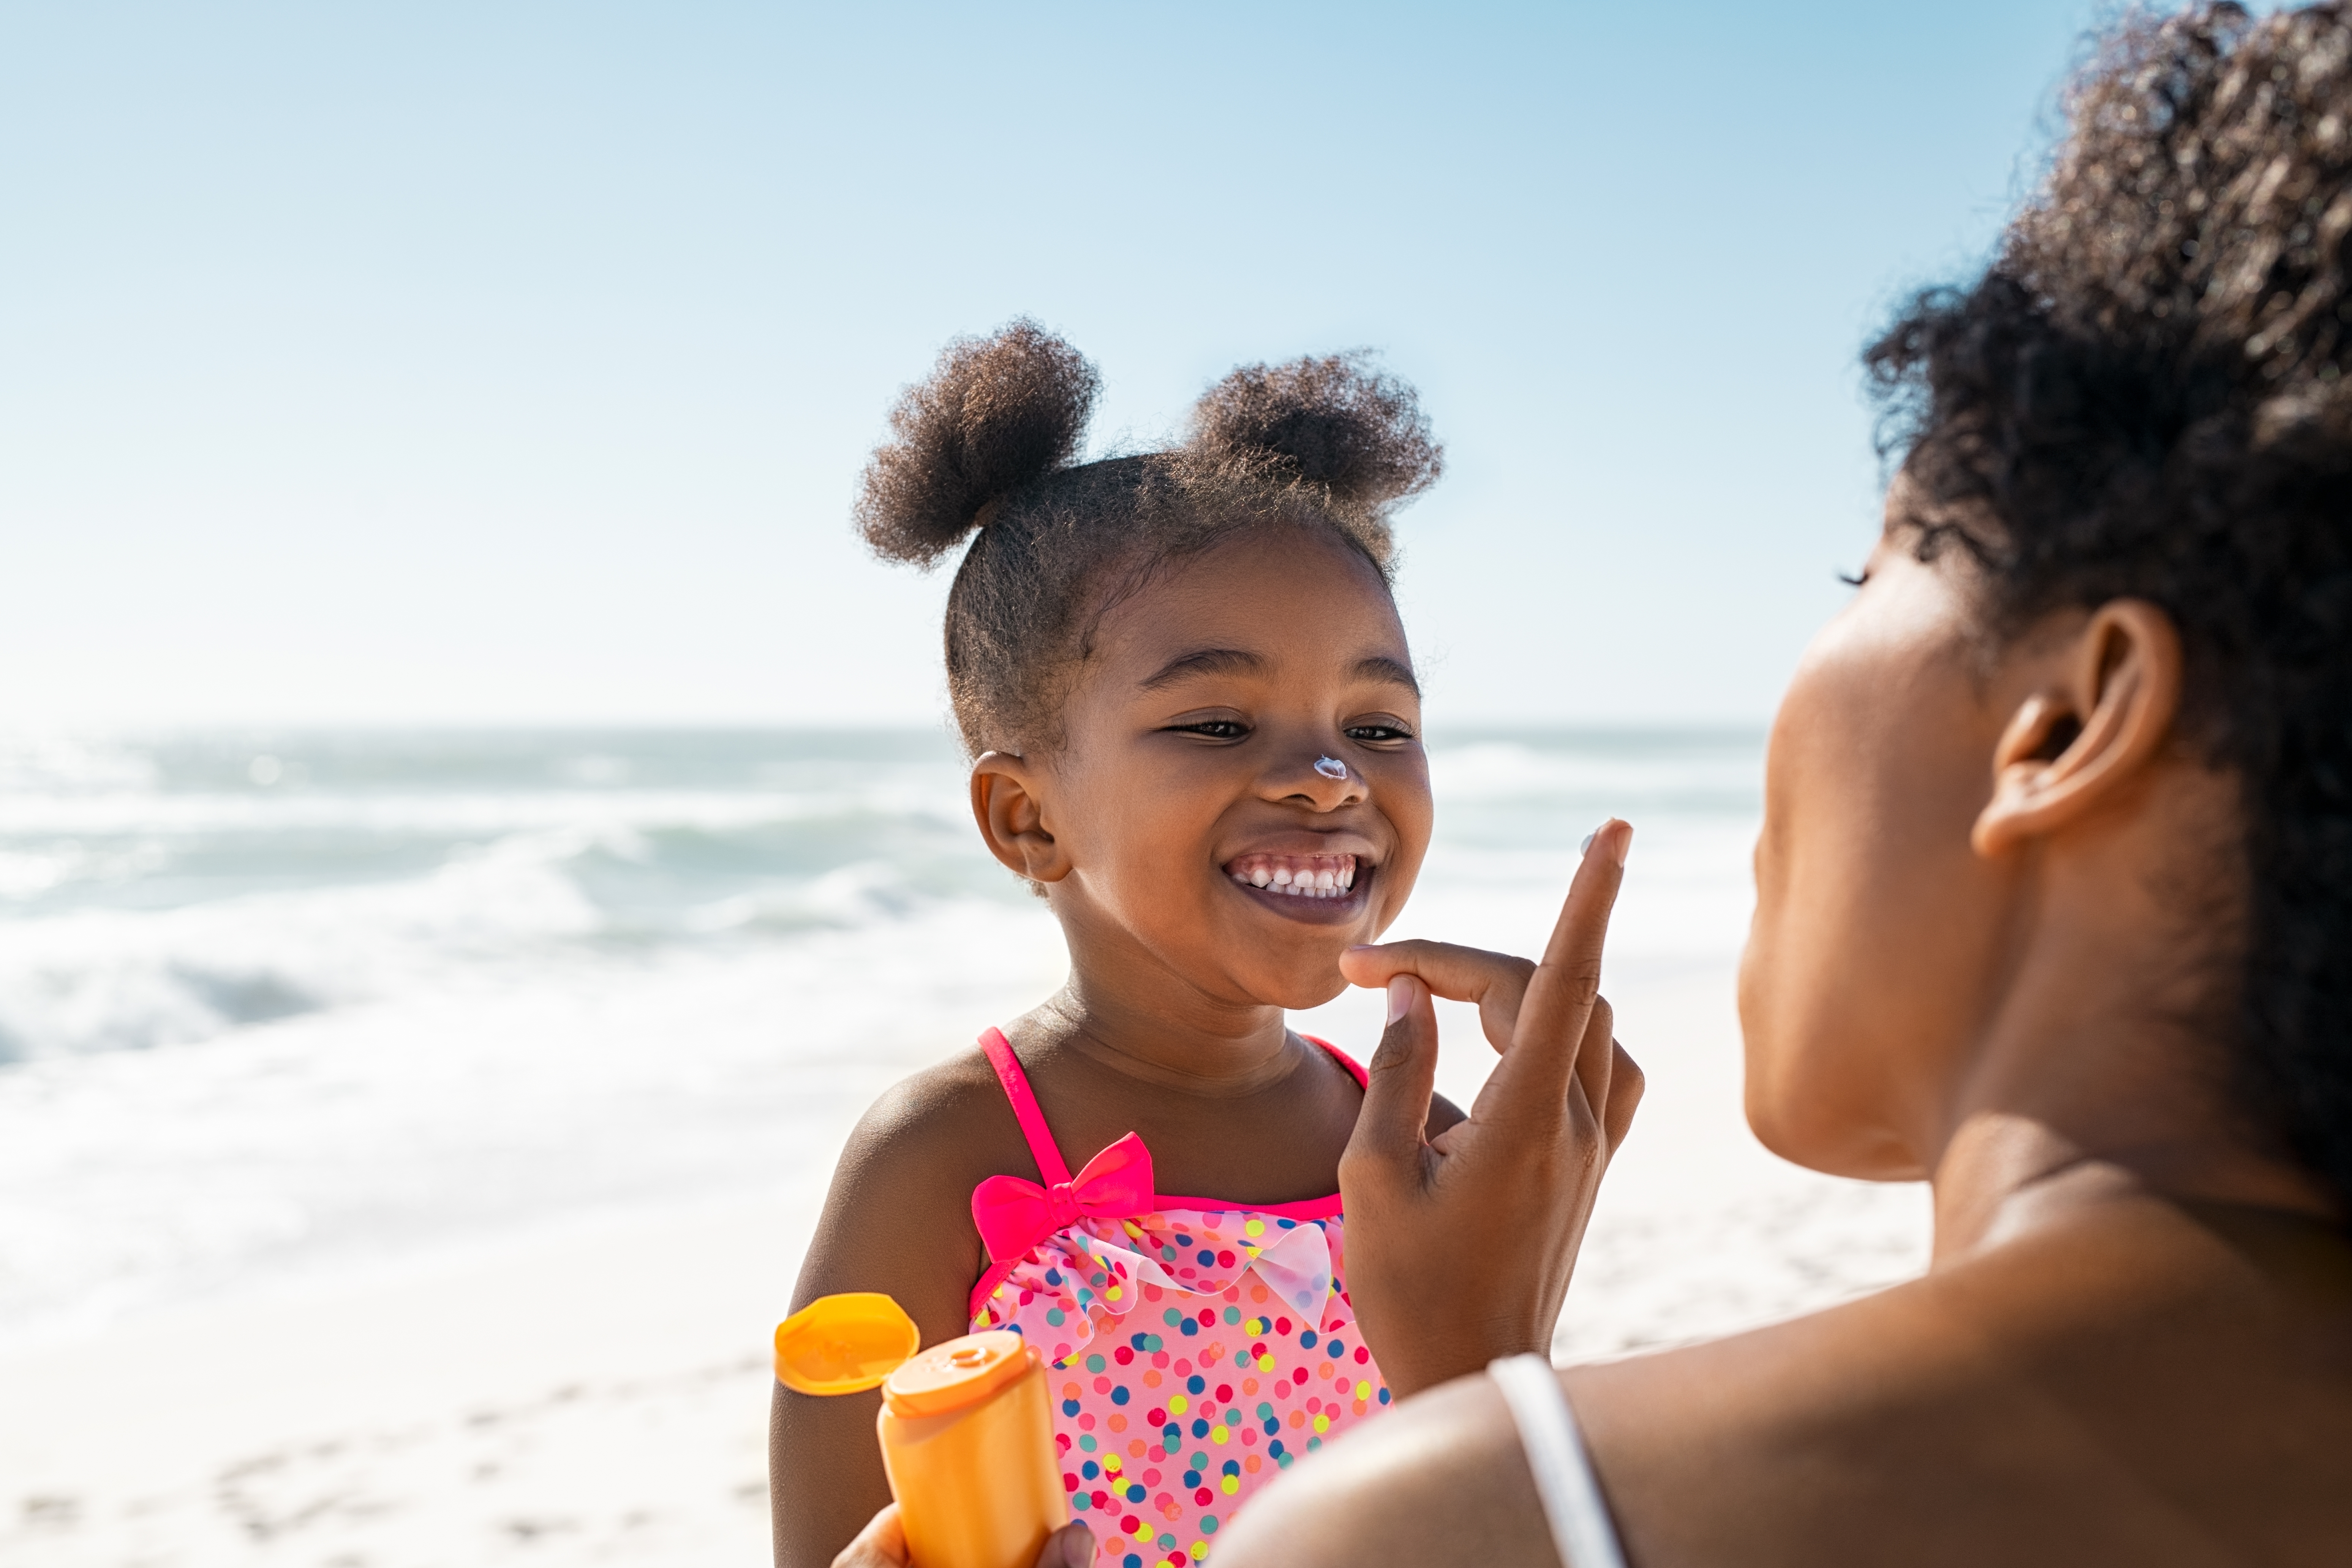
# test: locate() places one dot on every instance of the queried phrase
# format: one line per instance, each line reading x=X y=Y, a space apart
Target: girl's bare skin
x=1188 y=743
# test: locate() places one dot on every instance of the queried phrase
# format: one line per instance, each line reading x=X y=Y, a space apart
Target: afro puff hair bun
x=1333 y=423
x=999 y=414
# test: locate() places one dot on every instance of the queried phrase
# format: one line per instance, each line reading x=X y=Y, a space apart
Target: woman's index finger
x=1456 y=973
x=1535 y=1070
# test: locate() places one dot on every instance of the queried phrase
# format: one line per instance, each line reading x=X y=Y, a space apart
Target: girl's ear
x=2089 y=729
x=1008 y=802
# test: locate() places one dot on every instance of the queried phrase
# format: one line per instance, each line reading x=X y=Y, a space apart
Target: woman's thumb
x=1403 y=1076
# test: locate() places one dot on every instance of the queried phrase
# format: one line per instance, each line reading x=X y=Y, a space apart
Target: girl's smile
x=1321 y=888
x=1322 y=877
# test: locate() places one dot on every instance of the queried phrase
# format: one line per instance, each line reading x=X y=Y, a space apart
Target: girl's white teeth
x=1297 y=876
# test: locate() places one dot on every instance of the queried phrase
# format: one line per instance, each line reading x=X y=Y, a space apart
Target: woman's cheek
x=1789 y=970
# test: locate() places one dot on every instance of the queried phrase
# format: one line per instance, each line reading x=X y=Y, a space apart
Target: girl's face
x=1199 y=835
x=1878 y=930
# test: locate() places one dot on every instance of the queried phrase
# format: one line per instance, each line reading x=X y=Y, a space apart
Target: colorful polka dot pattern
x=1186 y=1369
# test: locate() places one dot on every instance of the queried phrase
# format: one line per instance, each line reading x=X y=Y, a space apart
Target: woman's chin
x=1802 y=1130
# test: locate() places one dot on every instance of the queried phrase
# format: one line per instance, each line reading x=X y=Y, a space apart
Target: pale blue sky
x=516 y=362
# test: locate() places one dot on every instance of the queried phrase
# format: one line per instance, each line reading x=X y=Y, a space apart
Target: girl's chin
x=1296 y=990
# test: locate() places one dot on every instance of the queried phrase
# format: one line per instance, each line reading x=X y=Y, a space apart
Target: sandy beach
x=599 y=1395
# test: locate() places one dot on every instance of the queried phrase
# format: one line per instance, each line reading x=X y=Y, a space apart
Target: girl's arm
x=897 y=1219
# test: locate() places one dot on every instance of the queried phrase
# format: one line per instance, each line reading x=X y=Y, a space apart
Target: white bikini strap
x=1571 y=1497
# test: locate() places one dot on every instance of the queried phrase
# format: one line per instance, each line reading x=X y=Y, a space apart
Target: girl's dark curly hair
x=1323 y=445
x=2146 y=395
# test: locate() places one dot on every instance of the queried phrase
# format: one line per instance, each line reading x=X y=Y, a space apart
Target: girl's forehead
x=1291 y=598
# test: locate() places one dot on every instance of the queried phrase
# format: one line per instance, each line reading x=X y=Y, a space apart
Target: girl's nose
x=1324 y=782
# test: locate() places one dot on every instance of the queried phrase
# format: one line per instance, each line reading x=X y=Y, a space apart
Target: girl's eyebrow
x=1206 y=661
x=1240 y=661
x=1382 y=668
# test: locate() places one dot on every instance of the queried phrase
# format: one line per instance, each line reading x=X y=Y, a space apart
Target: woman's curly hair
x=2146 y=395
x=987 y=444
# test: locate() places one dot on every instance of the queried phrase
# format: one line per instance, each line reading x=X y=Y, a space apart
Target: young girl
x=1195 y=733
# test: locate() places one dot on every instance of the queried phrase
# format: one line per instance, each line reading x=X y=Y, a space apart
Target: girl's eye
x=1214 y=728
x=1374 y=734
x=1854 y=579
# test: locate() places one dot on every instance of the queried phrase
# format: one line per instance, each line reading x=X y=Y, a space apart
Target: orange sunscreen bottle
x=967 y=1431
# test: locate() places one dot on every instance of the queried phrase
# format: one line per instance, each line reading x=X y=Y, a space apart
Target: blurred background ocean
x=275 y=1005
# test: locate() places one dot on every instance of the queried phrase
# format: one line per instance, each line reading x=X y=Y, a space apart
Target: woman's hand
x=1460 y=1246
x=883 y=1544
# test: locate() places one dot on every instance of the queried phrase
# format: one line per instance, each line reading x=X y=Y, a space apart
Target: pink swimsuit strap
x=1056 y=1170
x=1026 y=1110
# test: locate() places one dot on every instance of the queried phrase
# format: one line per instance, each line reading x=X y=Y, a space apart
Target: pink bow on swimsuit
x=1015 y=1215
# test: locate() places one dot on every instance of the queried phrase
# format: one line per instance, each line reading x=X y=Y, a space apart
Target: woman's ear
x=1008 y=804
x=2093 y=726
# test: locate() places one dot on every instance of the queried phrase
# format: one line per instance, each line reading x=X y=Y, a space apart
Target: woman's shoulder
x=1802 y=1430
x=2146 y=1391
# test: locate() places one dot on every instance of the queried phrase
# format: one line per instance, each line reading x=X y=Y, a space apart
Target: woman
x=2054 y=909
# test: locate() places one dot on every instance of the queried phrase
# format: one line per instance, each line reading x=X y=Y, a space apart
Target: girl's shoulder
x=950 y=1123
x=897 y=1216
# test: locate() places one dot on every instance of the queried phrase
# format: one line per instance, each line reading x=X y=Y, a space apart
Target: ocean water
x=284 y=1007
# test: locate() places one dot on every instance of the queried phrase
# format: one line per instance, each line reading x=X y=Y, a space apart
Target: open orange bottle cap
x=845 y=1344
x=960 y=1372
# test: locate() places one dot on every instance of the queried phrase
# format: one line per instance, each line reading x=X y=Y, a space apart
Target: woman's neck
x=2087 y=1088
x=2101 y=1065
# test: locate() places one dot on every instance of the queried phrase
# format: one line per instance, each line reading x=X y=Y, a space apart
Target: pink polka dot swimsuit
x=1196 y=1348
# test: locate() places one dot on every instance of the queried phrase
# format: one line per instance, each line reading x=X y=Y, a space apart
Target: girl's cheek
x=1415 y=809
